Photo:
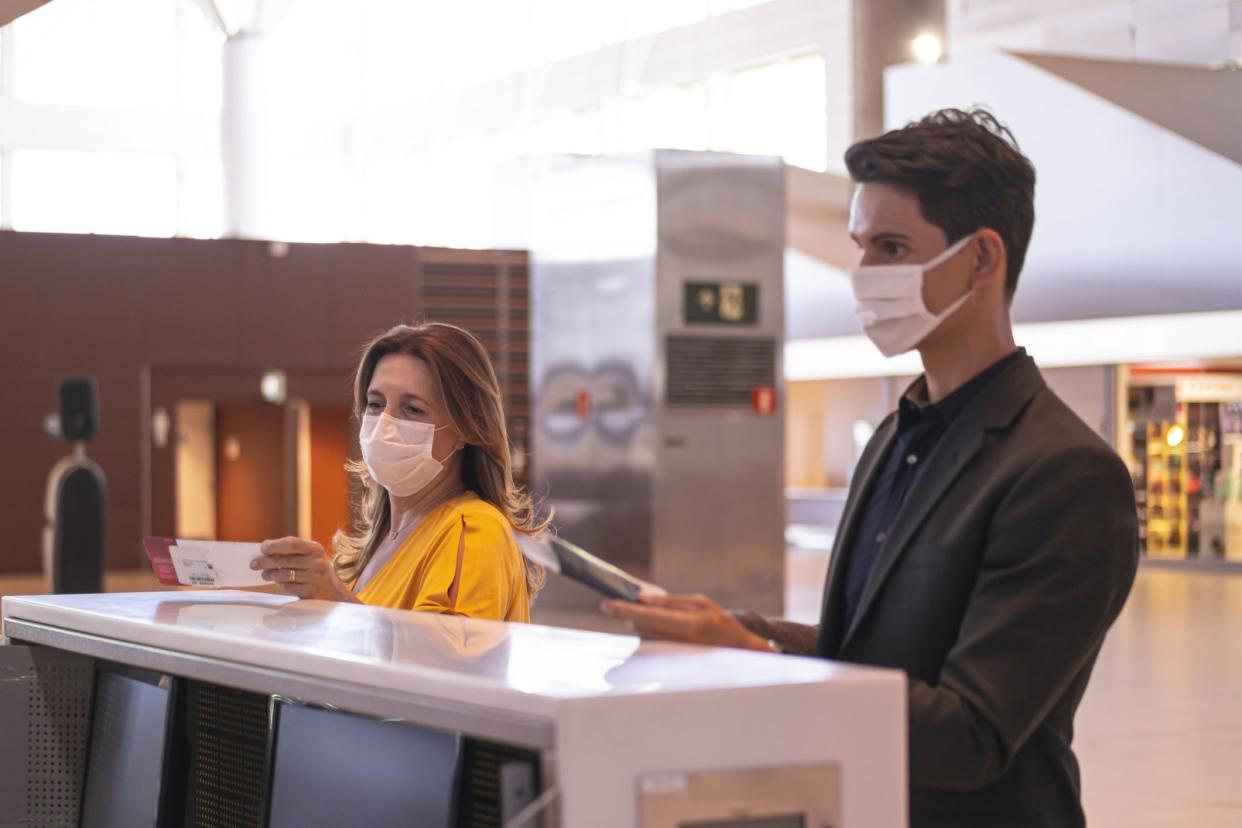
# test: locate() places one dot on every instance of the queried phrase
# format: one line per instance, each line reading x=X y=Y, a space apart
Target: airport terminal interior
x=639 y=215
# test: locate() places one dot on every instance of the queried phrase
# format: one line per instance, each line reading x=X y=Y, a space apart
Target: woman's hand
x=302 y=568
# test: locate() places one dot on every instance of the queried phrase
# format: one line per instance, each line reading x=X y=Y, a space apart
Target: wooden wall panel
x=121 y=309
x=188 y=301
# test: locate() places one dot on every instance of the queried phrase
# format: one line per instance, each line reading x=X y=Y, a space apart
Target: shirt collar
x=914 y=409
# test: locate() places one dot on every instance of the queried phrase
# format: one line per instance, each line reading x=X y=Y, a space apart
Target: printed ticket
x=178 y=562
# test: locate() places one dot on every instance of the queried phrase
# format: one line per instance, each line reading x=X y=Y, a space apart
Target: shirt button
x=911 y=459
x=879 y=538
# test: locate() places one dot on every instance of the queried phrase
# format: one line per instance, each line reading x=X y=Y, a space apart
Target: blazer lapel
x=860 y=487
x=997 y=407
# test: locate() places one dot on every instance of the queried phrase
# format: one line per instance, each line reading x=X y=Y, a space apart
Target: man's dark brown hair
x=968 y=174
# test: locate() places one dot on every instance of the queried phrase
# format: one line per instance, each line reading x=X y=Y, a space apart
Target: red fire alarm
x=763 y=399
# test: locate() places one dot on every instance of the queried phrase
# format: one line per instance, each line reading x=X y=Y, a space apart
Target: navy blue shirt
x=919 y=427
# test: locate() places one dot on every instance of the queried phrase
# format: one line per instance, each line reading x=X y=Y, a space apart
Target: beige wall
x=820 y=451
x=1091 y=393
x=804 y=436
x=195 y=431
x=1194 y=31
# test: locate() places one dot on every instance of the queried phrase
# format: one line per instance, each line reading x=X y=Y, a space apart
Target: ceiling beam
x=10 y=10
x=817 y=207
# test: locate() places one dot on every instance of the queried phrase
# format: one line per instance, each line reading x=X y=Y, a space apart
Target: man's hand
x=694 y=619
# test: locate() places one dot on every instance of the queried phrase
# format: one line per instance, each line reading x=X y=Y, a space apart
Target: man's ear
x=990 y=258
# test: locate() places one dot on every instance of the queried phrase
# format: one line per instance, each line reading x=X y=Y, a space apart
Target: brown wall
x=174 y=318
x=331 y=435
x=250 y=472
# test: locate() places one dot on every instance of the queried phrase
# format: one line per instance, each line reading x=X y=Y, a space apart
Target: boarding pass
x=179 y=562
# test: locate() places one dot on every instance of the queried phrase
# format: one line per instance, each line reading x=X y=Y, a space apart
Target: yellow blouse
x=460 y=560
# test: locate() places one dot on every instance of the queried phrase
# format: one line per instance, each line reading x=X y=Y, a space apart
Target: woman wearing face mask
x=439 y=506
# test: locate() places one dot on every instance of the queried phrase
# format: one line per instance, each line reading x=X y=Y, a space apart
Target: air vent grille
x=488 y=294
x=718 y=371
x=481 y=800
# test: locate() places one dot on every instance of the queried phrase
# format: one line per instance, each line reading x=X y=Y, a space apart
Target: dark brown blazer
x=1011 y=556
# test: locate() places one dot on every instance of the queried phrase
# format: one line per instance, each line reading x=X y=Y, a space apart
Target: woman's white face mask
x=398 y=453
x=890 y=302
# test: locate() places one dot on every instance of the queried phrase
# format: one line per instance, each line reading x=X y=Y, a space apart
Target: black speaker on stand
x=76 y=508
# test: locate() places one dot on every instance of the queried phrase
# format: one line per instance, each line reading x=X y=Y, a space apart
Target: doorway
x=225 y=465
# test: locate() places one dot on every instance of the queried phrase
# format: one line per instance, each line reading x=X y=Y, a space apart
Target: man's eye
x=892 y=249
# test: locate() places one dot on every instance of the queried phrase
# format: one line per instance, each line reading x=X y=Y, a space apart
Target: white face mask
x=398 y=453
x=890 y=302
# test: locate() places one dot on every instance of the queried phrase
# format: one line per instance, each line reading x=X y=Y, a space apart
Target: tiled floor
x=1160 y=730
x=1159 y=733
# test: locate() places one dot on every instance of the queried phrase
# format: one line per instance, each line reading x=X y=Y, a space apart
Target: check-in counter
x=620 y=732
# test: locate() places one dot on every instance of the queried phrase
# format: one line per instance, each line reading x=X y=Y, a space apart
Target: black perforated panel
x=227 y=731
x=480 y=803
x=58 y=724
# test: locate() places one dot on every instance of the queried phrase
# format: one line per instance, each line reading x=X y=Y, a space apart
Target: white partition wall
x=1188 y=31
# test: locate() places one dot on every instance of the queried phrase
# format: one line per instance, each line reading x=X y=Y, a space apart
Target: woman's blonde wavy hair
x=474 y=407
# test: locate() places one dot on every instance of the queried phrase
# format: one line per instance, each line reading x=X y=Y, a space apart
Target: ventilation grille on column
x=58 y=724
x=718 y=371
x=488 y=294
x=480 y=803
x=228 y=757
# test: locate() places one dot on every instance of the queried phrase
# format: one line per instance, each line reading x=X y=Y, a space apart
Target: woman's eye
x=413 y=411
x=374 y=406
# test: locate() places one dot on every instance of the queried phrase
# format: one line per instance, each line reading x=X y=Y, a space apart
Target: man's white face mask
x=890 y=302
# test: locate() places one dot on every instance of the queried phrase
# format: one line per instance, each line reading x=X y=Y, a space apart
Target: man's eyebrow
x=891 y=235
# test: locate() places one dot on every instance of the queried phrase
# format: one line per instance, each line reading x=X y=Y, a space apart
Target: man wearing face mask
x=989 y=537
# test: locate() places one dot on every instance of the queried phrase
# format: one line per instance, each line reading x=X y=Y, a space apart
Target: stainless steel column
x=658 y=331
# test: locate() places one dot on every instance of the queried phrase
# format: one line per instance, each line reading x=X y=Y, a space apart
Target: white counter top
x=521 y=667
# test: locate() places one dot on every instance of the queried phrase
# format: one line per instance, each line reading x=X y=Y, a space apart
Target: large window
x=384 y=120
x=779 y=109
x=200 y=202
x=97 y=53
x=115 y=119
x=69 y=191
x=651 y=16
x=674 y=118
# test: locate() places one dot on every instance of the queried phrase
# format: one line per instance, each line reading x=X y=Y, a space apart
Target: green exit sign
x=722 y=303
